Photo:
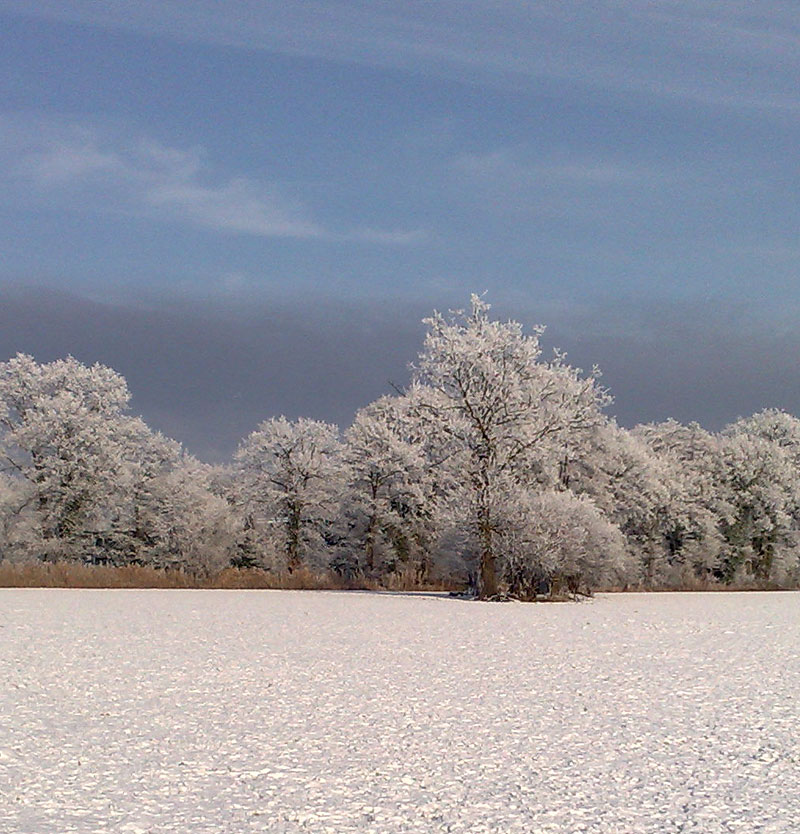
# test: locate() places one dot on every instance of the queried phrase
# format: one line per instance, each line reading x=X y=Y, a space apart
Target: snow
x=242 y=711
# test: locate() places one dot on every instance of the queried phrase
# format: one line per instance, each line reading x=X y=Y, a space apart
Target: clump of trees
x=496 y=471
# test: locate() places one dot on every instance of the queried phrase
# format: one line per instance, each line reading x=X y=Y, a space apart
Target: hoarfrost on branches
x=485 y=391
x=289 y=479
x=389 y=489
x=559 y=541
x=496 y=470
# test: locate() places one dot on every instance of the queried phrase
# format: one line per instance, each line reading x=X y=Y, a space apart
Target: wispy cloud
x=507 y=164
x=398 y=236
x=607 y=187
x=146 y=178
x=519 y=182
x=234 y=206
x=732 y=54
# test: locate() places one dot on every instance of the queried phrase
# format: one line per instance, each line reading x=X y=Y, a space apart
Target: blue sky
x=622 y=171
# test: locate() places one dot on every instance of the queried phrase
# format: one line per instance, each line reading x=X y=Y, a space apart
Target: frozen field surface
x=240 y=711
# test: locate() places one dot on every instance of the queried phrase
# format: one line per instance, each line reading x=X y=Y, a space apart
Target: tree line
x=496 y=470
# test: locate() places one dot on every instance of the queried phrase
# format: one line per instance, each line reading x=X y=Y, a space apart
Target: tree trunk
x=369 y=539
x=487 y=573
x=487 y=577
x=293 y=555
x=369 y=546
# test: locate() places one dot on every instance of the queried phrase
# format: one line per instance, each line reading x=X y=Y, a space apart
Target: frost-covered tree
x=388 y=490
x=555 y=541
x=289 y=476
x=485 y=392
x=762 y=490
x=20 y=532
x=82 y=479
x=495 y=468
x=627 y=482
x=122 y=534
x=255 y=543
x=184 y=523
x=774 y=425
x=63 y=431
x=691 y=473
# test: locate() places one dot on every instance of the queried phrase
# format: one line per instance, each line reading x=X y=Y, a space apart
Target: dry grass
x=301 y=579
x=72 y=575
x=706 y=585
x=75 y=575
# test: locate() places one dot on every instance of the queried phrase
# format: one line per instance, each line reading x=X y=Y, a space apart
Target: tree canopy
x=497 y=470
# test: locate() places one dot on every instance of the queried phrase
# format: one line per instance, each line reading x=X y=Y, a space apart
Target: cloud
x=632 y=201
x=602 y=191
x=709 y=360
x=390 y=237
x=65 y=163
x=234 y=206
x=146 y=178
x=733 y=54
x=511 y=165
x=208 y=372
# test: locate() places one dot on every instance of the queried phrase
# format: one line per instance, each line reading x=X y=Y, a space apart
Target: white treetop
x=495 y=470
x=290 y=475
x=390 y=487
x=490 y=397
x=64 y=432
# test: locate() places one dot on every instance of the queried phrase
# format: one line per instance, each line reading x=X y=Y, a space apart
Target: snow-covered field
x=280 y=711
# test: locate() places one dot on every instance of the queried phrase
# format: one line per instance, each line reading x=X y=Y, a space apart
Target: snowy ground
x=242 y=711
